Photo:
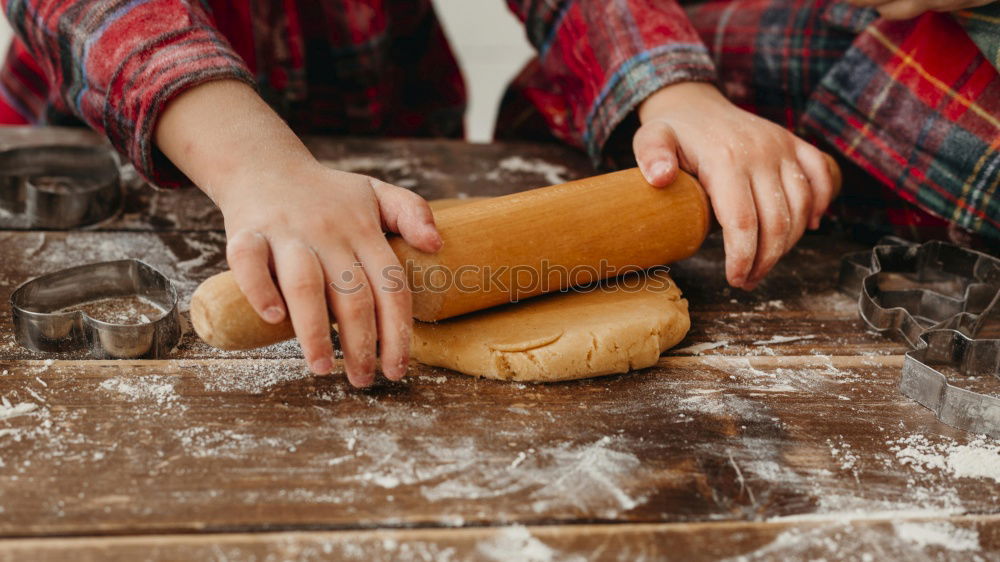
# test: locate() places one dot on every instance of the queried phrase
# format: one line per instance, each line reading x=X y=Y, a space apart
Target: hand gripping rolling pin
x=506 y=249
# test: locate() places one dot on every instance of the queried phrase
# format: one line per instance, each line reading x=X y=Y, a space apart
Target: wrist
x=272 y=178
x=676 y=97
x=225 y=138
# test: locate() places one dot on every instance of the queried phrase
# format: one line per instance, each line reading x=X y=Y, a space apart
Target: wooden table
x=775 y=431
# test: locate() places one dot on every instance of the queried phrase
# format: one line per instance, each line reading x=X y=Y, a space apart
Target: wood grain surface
x=774 y=431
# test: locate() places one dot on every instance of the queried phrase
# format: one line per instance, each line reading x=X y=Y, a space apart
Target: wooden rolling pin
x=564 y=235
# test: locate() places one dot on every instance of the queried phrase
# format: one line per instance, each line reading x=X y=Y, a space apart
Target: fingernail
x=274 y=314
x=660 y=169
x=322 y=366
x=398 y=372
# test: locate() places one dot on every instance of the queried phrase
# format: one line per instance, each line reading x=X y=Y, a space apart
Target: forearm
x=221 y=134
x=118 y=76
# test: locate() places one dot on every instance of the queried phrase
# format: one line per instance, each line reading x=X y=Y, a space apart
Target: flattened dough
x=623 y=325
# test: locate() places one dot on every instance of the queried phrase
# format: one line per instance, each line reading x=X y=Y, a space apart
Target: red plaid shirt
x=915 y=104
x=379 y=67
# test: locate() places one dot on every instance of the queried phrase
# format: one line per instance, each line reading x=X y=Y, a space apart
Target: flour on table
x=867 y=542
x=699 y=348
x=404 y=170
x=155 y=388
x=938 y=533
x=8 y=410
x=782 y=339
x=368 y=163
x=517 y=543
x=553 y=173
x=980 y=458
x=252 y=377
x=593 y=478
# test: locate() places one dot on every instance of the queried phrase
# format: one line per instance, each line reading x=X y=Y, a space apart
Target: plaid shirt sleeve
x=598 y=59
x=923 y=120
x=115 y=65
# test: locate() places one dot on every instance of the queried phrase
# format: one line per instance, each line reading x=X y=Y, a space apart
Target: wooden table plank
x=166 y=446
x=912 y=539
x=797 y=310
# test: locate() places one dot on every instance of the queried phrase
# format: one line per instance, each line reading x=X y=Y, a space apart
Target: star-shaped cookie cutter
x=944 y=300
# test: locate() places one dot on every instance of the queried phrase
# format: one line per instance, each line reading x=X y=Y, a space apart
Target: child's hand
x=321 y=232
x=310 y=226
x=906 y=9
x=766 y=185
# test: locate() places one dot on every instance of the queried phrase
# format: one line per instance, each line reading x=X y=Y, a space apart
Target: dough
x=625 y=324
x=622 y=325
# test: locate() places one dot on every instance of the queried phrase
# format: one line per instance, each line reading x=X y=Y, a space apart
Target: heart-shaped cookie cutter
x=46 y=320
x=58 y=186
x=945 y=302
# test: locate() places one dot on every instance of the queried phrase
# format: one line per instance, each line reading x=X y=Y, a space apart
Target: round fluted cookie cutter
x=58 y=186
x=45 y=319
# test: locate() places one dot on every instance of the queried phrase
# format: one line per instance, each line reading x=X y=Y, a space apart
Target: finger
x=393 y=307
x=249 y=254
x=655 y=146
x=775 y=224
x=302 y=283
x=733 y=202
x=799 y=196
x=408 y=215
x=817 y=171
x=351 y=300
x=901 y=9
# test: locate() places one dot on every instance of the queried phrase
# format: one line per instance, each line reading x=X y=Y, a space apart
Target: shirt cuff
x=635 y=80
x=148 y=80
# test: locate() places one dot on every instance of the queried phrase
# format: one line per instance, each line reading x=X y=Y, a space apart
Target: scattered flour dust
x=253 y=377
x=843 y=540
x=699 y=348
x=157 y=388
x=368 y=163
x=592 y=478
x=553 y=173
x=8 y=410
x=589 y=476
x=783 y=339
x=938 y=533
x=980 y=458
x=403 y=169
x=517 y=543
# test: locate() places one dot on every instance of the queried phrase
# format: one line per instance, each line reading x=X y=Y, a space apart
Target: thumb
x=408 y=215
x=655 y=146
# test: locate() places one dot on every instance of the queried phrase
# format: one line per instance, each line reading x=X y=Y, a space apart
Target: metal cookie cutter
x=51 y=315
x=58 y=187
x=945 y=302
